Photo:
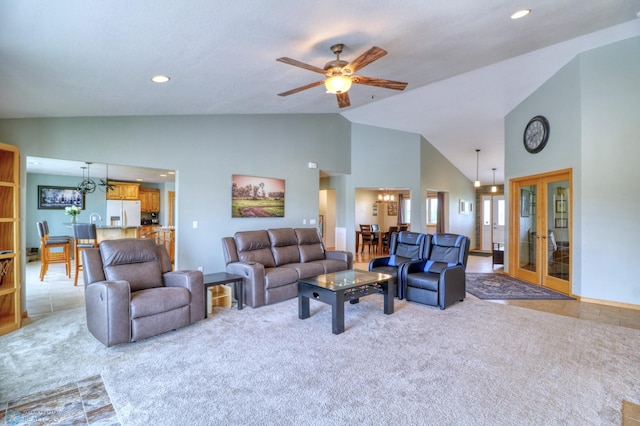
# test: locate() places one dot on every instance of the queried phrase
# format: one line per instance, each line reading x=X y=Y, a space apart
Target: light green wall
x=204 y=151
x=610 y=86
x=438 y=174
x=592 y=105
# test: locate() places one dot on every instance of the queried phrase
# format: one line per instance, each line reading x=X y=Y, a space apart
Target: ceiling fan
x=339 y=74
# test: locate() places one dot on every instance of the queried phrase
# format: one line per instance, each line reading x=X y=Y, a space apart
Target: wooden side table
x=219 y=278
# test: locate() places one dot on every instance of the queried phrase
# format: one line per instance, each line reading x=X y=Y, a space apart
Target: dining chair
x=386 y=239
x=84 y=237
x=368 y=238
x=48 y=255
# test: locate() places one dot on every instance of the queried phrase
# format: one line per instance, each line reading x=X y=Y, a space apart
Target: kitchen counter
x=116 y=232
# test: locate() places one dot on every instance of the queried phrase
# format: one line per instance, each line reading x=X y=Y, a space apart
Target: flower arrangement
x=72 y=211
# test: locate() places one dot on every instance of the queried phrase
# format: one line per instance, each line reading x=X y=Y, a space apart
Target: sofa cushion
x=332 y=265
x=424 y=281
x=254 y=246
x=306 y=270
x=155 y=300
x=309 y=244
x=284 y=246
x=277 y=277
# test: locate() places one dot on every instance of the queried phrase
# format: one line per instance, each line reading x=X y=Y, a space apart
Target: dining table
x=379 y=234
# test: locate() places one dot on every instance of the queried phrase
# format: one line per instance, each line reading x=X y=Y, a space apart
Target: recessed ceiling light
x=163 y=175
x=172 y=173
x=160 y=79
x=521 y=13
x=139 y=180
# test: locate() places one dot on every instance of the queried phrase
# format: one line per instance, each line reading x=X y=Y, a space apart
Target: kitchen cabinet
x=123 y=191
x=10 y=297
x=148 y=231
x=149 y=200
x=166 y=237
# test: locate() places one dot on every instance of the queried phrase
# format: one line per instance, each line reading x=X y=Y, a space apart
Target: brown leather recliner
x=131 y=292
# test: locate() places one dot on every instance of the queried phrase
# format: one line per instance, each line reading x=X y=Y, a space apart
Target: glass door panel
x=527 y=258
x=558 y=253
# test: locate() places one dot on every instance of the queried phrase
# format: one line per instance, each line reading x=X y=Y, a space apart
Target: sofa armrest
x=192 y=281
x=378 y=261
x=345 y=256
x=414 y=266
x=253 y=274
x=452 y=285
x=108 y=311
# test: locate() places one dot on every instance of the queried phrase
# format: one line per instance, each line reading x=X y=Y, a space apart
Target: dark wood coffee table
x=337 y=288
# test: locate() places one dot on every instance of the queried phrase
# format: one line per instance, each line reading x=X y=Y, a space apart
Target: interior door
x=541 y=230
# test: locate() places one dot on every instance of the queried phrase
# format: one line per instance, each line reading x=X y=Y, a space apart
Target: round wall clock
x=536 y=134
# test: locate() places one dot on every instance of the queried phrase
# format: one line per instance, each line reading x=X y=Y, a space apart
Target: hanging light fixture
x=105 y=184
x=87 y=185
x=477 y=182
x=494 y=188
x=384 y=196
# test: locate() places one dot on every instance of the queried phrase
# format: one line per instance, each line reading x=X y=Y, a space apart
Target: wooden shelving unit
x=10 y=296
x=219 y=296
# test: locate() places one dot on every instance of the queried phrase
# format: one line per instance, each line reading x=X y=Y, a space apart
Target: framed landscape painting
x=59 y=197
x=253 y=196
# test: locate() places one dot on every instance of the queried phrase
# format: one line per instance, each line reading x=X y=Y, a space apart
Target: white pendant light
x=477 y=182
x=494 y=188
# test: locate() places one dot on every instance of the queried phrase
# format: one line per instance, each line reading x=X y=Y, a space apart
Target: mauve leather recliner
x=131 y=292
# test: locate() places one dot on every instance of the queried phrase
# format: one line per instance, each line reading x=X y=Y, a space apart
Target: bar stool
x=48 y=256
x=85 y=237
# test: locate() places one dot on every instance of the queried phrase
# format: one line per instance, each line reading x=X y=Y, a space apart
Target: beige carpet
x=475 y=363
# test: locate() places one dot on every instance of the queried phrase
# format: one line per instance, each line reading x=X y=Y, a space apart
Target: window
x=407 y=210
x=432 y=211
x=501 y=206
x=486 y=212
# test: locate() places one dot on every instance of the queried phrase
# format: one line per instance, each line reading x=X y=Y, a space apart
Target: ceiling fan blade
x=343 y=99
x=379 y=82
x=300 y=89
x=363 y=60
x=301 y=65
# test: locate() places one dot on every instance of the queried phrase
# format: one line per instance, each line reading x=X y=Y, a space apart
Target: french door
x=540 y=231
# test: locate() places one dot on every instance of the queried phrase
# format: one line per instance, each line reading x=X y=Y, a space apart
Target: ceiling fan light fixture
x=337 y=84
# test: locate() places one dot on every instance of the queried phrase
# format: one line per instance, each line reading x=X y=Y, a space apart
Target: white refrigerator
x=123 y=213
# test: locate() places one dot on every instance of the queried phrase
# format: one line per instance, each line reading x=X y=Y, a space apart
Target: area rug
x=503 y=287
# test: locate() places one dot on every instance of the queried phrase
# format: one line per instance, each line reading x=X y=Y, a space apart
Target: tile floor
x=83 y=402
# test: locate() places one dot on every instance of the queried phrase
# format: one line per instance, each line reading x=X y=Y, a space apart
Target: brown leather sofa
x=131 y=292
x=271 y=261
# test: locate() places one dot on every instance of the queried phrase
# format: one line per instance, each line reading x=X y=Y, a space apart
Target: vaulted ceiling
x=467 y=63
